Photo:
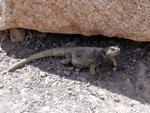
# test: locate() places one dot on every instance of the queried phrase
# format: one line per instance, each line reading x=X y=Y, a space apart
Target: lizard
x=80 y=57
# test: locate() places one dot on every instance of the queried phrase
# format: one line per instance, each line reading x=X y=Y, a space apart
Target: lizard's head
x=112 y=51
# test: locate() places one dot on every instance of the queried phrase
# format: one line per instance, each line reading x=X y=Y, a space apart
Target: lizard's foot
x=17 y=34
x=65 y=71
x=65 y=61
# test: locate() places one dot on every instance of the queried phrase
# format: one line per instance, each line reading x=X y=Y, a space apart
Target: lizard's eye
x=112 y=49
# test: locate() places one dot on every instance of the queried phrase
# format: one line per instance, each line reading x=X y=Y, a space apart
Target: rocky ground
x=44 y=87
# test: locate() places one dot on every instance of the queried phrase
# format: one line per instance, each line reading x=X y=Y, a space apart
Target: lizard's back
x=85 y=56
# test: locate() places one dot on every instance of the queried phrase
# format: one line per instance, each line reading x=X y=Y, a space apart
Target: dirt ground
x=44 y=87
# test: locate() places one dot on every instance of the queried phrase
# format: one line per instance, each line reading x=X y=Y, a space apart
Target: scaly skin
x=80 y=57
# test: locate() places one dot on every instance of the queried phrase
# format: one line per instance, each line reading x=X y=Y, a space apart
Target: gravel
x=44 y=87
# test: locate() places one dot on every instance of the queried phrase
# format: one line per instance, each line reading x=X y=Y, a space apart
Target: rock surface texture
x=122 y=18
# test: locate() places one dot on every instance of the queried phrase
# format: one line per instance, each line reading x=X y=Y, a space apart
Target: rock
x=17 y=35
x=122 y=18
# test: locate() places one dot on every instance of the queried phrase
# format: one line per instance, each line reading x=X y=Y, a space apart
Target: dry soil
x=43 y=86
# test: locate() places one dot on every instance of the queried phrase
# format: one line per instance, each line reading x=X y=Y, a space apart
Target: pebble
x=43 y=74
x=67 y=73
x=77 y=70
x=117 y=100
x=1 y=86
x=13 y=55
x=102 y=98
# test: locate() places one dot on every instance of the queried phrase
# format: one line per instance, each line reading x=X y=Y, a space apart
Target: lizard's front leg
x=114 y=63
x=65 y=61
x=93 y=69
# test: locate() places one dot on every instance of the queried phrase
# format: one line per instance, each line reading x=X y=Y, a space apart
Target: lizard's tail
x=18 y=64
x=43 y=54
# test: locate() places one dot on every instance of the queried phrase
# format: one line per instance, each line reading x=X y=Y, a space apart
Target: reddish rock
x=122 y=18
x=17 y=35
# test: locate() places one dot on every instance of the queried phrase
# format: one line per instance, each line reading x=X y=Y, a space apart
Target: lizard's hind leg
x=67 y=59
x=93 y=67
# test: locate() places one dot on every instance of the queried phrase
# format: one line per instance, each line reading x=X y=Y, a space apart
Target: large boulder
x=122 y=18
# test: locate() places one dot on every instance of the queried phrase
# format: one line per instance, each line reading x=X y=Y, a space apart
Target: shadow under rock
x=124 y=81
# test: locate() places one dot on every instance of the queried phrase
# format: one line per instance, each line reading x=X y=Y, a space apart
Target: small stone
x=1 y=86
x=13 y=55
x=71 y=68
x=102 y=98
x=67 y=73
x=43 y=74
x=77 y=70
x=141 y=86
x=17 y=35
x=35 y=48
x=117 y=100
x=69 y=89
